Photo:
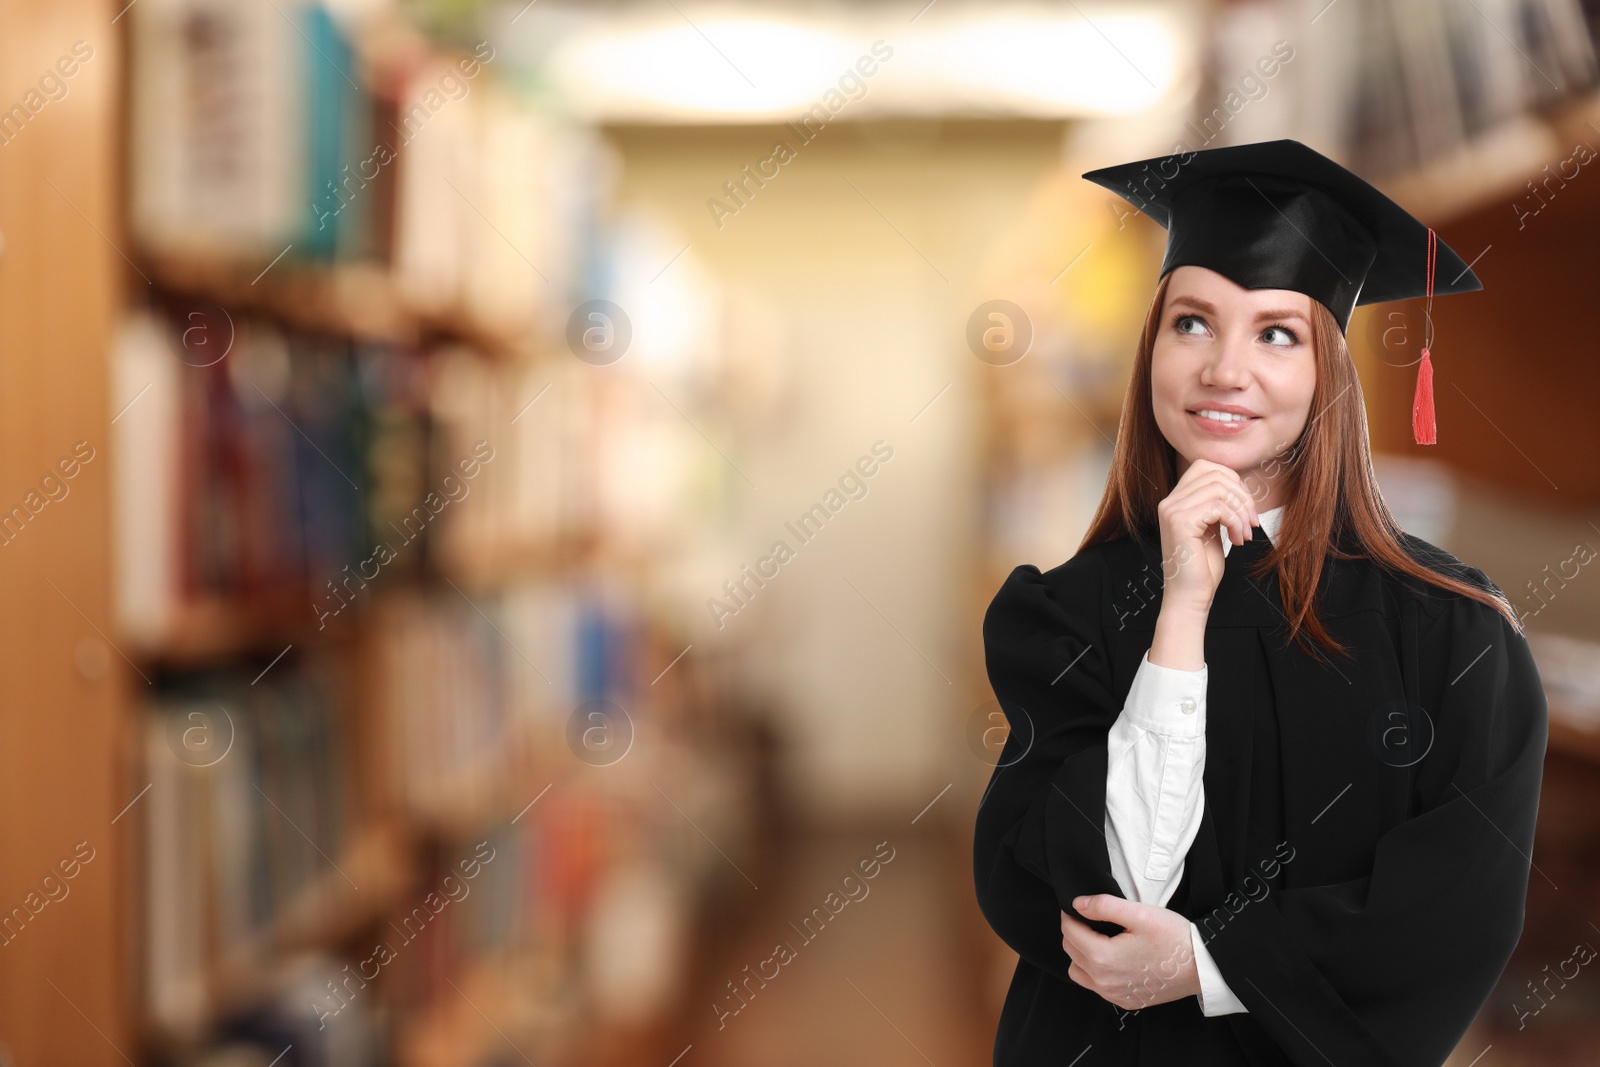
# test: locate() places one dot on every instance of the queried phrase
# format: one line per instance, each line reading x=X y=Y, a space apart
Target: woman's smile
x=1222 y=423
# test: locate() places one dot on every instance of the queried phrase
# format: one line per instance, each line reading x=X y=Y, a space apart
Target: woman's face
x=1224 y=348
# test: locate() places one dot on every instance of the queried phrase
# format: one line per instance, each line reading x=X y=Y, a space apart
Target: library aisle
x=498 y=498
x=870 y=984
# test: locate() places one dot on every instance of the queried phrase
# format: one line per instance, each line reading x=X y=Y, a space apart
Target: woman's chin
x=1238 y=456
x=1228 y=453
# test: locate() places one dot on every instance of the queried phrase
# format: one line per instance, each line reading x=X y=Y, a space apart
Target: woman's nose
x=1227 y=367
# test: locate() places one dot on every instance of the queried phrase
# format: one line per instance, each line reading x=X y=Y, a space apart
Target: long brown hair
x=1333 y=505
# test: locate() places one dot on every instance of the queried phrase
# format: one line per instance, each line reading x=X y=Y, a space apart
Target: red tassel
x=1423 y=428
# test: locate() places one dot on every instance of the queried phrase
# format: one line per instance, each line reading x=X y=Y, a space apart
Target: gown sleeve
x=1392 y=967
x=1039 y=839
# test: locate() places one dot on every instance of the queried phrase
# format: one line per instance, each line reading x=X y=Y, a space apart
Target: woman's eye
x=1178 y=323
x=1292 y=339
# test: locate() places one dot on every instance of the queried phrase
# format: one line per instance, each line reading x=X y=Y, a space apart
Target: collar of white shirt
x=1269 y=523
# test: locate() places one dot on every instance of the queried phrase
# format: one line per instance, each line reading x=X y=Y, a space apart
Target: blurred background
x=497 y=499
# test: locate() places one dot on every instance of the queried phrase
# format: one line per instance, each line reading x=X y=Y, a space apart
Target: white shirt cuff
x=1166 y=701
x=1215 y=996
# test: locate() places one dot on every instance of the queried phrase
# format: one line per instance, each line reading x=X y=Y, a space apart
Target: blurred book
x=245 y=825
x=220 y=158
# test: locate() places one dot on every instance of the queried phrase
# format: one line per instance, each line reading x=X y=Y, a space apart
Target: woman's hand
x=1150 y=962
x=1208 y=499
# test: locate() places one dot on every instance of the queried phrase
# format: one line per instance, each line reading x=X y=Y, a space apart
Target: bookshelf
x=286 y=349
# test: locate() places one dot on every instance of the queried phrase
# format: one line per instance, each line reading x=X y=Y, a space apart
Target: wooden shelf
x=357 y=300
x=1569 y=734
x=1493 y=167
x=60 y=296
x=371 y=871
x=211 y=631
x=216 y=629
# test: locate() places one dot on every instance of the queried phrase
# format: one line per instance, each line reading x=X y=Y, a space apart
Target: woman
x=1269 y=790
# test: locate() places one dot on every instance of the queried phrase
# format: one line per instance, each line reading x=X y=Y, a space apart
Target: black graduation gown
x=1362 y=862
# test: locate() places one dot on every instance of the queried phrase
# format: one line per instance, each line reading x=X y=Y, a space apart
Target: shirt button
x=1188 y=705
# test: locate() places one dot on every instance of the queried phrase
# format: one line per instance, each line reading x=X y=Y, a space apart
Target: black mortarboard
x=1279 y=215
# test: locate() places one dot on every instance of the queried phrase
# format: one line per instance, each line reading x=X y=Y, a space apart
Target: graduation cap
x=1278 y=215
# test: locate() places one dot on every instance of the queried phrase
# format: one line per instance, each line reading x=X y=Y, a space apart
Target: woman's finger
x=1212 y=509
x=1223 y=484
x=1215 y=500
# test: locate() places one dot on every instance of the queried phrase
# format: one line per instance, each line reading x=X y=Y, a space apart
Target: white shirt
x=1155 y=795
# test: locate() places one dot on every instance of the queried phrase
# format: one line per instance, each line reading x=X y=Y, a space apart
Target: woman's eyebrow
x=1211 y=309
